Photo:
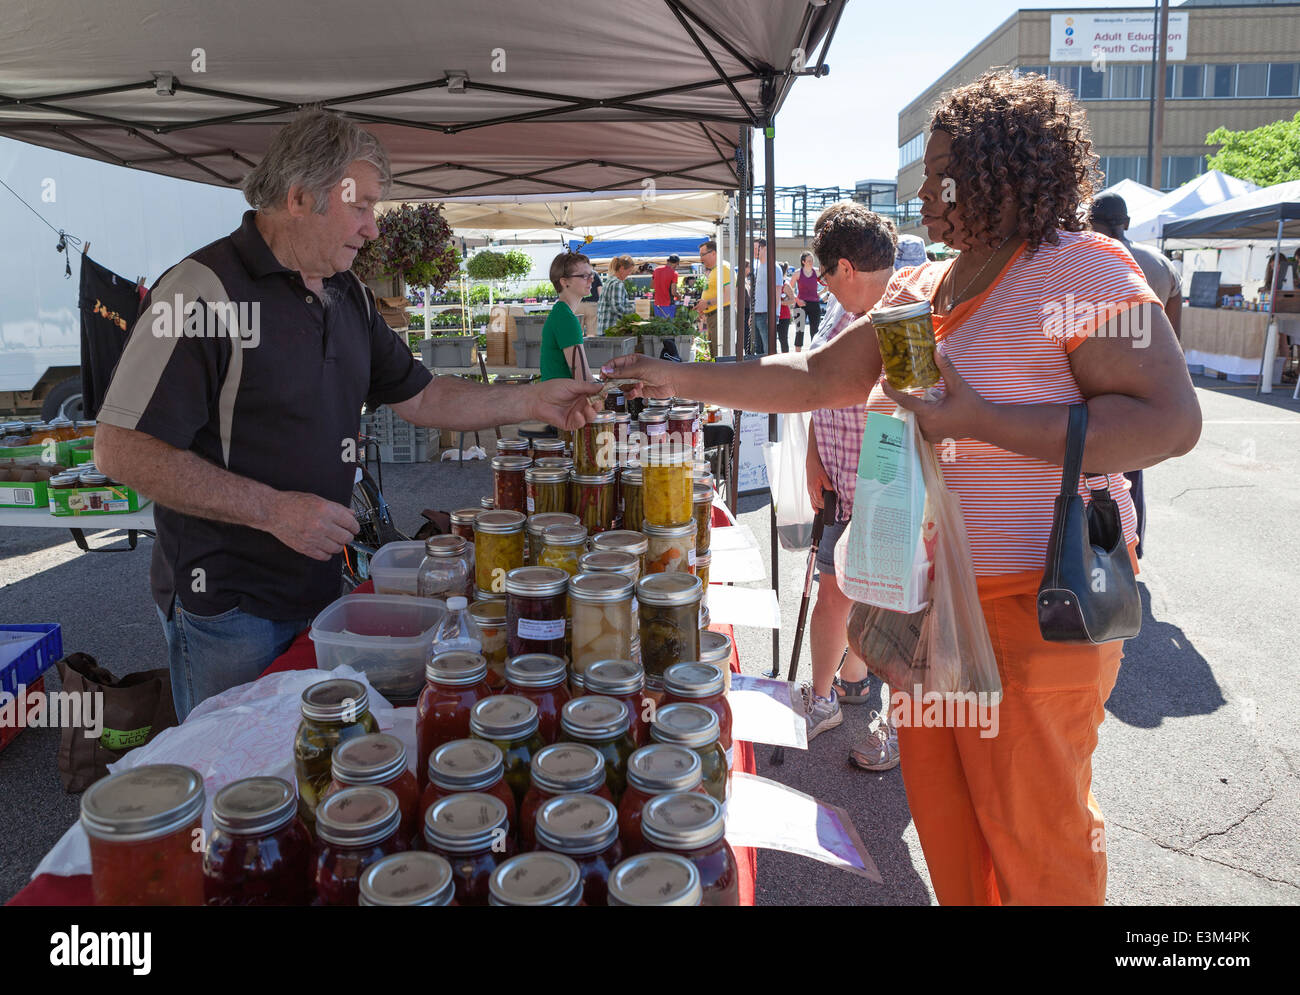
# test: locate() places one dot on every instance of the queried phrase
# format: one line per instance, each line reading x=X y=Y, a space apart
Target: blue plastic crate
x=25 y=667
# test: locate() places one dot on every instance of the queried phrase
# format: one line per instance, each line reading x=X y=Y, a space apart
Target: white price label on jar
x=541 y=628
x=656 y=428
x=530 y=504
x=690 y=557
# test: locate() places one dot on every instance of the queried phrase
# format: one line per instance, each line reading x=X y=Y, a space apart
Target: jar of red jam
x=333 y=711
x=259 y=853
x=655 y=879
x=467 y=765
x=454 y=681
x=547 y=448
x=411 y=878
x=509 y=489
x=356 y=827
x=701 y=684
x=379 y=759
x=601 y=723
x=144 y=826
x=559 y=769
x=536 y=879
x=472 y=832
x=695 y=728
x=691 y=826
x=513 y=447
x=543 y=680
x=462 y=522
x=510 y=722
x=536 y=602
x=623 y=680
x=657 y=769
x=585 y=829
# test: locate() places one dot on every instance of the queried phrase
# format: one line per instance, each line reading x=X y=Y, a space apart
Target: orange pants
x=1011 y=819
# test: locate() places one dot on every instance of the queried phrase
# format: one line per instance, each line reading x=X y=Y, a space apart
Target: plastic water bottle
x=457 y=631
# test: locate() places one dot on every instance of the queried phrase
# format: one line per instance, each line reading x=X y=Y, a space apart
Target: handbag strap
x=1075 y=436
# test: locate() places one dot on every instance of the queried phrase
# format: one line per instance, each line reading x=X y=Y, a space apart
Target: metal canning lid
x=536 y=582
x=610 y=677
x=594 y=716
x=564 y=535
x=600 y=588
x=577 y=824
x=900 y=312
x=543 y=520
x=567 y=768
x=336 y=700
x=456 y=668
x=633 y=476
x=669 y=531
x=466 y=765
x=503 y=716
x=701 y=493
x=715 y=647
x=448 y=545
x=536 y=879
x=465 y=516
x=660 y=402
x=499 y=522
x=553 y=463
x=465 y=823
x=655 y=879
x=93 y=478
x=546 y=475
x=486 y=597
x=601 y=417
x=669 y=590
x=536 y=670
x=648 y=416
x=685 y=724
x=694 y=680
x=486 y=503
x=682 y=820
x=412 y=878
x=621 y=540
x=491 y=613
x=143 y=803
x=704 y=559
x=663 y=767
x=253 y=806
x=610 y=561
x=665 y=454
x=375 y=758
x=511 y=464
x=623 y=417
x=358 y=816
x=605 y=477
x=680 y=412
x=512 y=446
x=548 y=445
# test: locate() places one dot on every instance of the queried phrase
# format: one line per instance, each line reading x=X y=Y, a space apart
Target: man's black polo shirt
x=235 y=359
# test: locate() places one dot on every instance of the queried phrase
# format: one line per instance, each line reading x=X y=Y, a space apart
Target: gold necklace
x=952 y=298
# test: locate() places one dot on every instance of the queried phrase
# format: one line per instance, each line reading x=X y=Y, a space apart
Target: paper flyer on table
x=767 y=711
x=752 y=606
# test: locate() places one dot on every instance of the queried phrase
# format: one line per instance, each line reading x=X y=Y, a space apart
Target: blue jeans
x=665 y=311
x=760 y=334
x=208 y=655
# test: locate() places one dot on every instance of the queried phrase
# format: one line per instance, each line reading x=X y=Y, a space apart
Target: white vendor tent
x=1208 y=189
x=1137 y=196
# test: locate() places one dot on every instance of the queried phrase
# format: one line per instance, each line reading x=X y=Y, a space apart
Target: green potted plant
x=414 y=247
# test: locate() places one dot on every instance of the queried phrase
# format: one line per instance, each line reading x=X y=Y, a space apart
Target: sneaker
x=820 y=713
x=879 y=751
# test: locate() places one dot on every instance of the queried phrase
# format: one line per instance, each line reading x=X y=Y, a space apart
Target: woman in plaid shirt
x=614 y=302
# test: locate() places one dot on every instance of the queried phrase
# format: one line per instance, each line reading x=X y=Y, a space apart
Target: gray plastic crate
x=650 y=345
x=391 y=430
x=529 y=328
x=404 y=452
x=447 y=351
x=528 y=355
x=600 y=349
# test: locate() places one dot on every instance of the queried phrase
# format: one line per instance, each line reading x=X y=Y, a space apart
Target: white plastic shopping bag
x=787 y=477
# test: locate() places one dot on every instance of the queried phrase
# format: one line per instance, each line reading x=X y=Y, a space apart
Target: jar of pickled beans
x=594 y=444
x=454 y=682
x=583 y=828
x=702 y=512
x=548 y=489
x=906 y=336
x=653 y=770
x=535 y=880
x=379 y=759
x=510 y=722
x=333 y=712
x=259 y=851
x=509 y=489
x=543 y=680
x=593 y=500
x=498 y=548
x=472 y=832
x=411 y=878
x=631 y=493
x=356 y=828
x=559 y=769
x=692 y=826
x=467 y=765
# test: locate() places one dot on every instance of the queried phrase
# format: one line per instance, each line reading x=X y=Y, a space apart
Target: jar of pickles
x=412 y=878
x=696 y=728
x=509 y=489
x=143 y=825
x=593 y=445
x=655 y=879
x=701 y=684
x=548 y=489
x=454 y=682
x=562 y=545
x=623 y=680
x=653 y=770
x=702 y=511
x=603 y=620
x=510 y=722
x=691 y=826
x=669 y=607
x=703 y=561
x=583 y=828
x=472 y=832
x=498 y=548
x=535 y=880
x=447 y=570
x=611 y=561
x=624 y=541
x=560 y=769
x=490 y=617
x=671 y=548
x=333 y=711
x=601 y=723
x=357 y=827
x=906 y=336
x=467 y=765
x=559 y=462
x=462 y=522
x=542 y=679
x=593 y=500
x=667 y=490
x=535 y=611
x=259 y=853
x=378 y=759
x=539 y=523
x=631 y=492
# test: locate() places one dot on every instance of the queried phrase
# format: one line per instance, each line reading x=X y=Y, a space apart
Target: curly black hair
x=1018 y=138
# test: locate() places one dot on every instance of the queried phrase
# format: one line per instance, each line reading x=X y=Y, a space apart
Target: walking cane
x=819 y=524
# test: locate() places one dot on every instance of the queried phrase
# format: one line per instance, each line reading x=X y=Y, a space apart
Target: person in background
x=760 y=297
x=562 y=353
x=783 y=316
x=614 y=301
x=713 y=296
x=664 y=281
x=808 y=297
x=911 y=251
x=593 y=296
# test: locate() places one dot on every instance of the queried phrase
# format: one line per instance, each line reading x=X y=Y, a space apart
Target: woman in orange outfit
x=1034 y=315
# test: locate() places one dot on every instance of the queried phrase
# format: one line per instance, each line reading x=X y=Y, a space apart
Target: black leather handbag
x=1088 y=593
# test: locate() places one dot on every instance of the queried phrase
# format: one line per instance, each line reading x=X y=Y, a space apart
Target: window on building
x=1222 y=81
x=911 y=150
x=1067 y=76
x=1184 y=82
x=1252 y=79
x=1178 y=169
x=1092 y=85
x=1281 y=79
x=1127 y=82
x=1023 y=70
x=1124 y=167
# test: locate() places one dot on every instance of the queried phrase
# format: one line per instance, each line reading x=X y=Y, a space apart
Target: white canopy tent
x=1208 y=189
x=1137 y=196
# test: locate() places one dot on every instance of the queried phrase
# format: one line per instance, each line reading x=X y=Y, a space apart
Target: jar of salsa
x=333 y=711
x=462 y=522
x=513 y=447
x=379 y=759
x=542 y=679
x=593 y=496
x=657 y=769
x=559 y=769
x=510 y=722
x=143 y=826
x=562 y=545
x=669 y=606
x=672 y=548
x=715 y=647
x=539 y=523
x=691 y=826
x=593 y=445
x=471 y=830
x=695 y=728
x=548 y=447
x=701 y=684
x=702 y=511
x=536 y=879
x=655 y=879
x=631 y=493
x=490 y=617
x=601 y=723
x=623 y=541
x=509 y=490
x=356 y=827
x=498 y=548
x=454 y=681
x=623 y=680
x=536 y=603
x=585 y=829
x=447 y=570
x=411 y=878
x=259 y=853
x=467 y=765
x=603 y=620
x=548 y=489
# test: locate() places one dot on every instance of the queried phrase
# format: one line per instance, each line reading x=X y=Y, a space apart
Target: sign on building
x=1116 y=37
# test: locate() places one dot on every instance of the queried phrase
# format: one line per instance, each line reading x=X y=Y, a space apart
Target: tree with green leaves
x=1266 y=155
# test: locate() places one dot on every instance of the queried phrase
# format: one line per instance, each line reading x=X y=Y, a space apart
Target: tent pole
x=746 y=187
x=769 y=274
x=1265 y=385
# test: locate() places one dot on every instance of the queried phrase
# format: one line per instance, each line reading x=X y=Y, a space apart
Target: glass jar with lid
x=669 y=608
x=509 y=489
x=623 y=541
x=603 y=620
x=467 y=765
x=701 y=684
x=462 y=522
x=379 y=759
x=601 y=723
x=447 y=570
x=548 y=489
x=610 y=561
x=631 y=494
x=536 y=880
x=593 y=445
x=653 y=770
x=593 y=500
x=513 y=447
x=702 y=511
x=562 y=546
x=715 y=647
x=691 y=826
x=510 y=722
x=486 y=502
x=143 y=825
x=655 y=879
x=667 y=489
x=615 y=400
x=542 y=679
x=585 y=829
x=411 y=878
x=490 y=617
x=356 y=828
x=684 y=423
x=623 y=680
x=695 y=728
x=454 y=682
x=671 y=548
x=472 y=832
x=539 y=523
x=536 y=602
x=652 y=422
x=560 y=769
x=333 y=711
x=498 y=548
x=548 y=447
x=703 y=561
x=701 y=474
x=557 y=462
x=259 y=852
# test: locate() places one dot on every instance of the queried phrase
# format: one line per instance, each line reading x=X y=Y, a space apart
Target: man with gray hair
x=236 y=406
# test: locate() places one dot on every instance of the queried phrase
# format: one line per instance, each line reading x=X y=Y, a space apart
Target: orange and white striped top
x=1011 y=344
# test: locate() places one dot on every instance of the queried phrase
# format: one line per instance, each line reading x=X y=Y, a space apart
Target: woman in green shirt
x=562 y=352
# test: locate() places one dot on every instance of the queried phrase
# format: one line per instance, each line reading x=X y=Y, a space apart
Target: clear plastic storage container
x=387 y=637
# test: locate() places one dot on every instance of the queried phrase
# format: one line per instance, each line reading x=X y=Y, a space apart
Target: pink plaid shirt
x=839 y=430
